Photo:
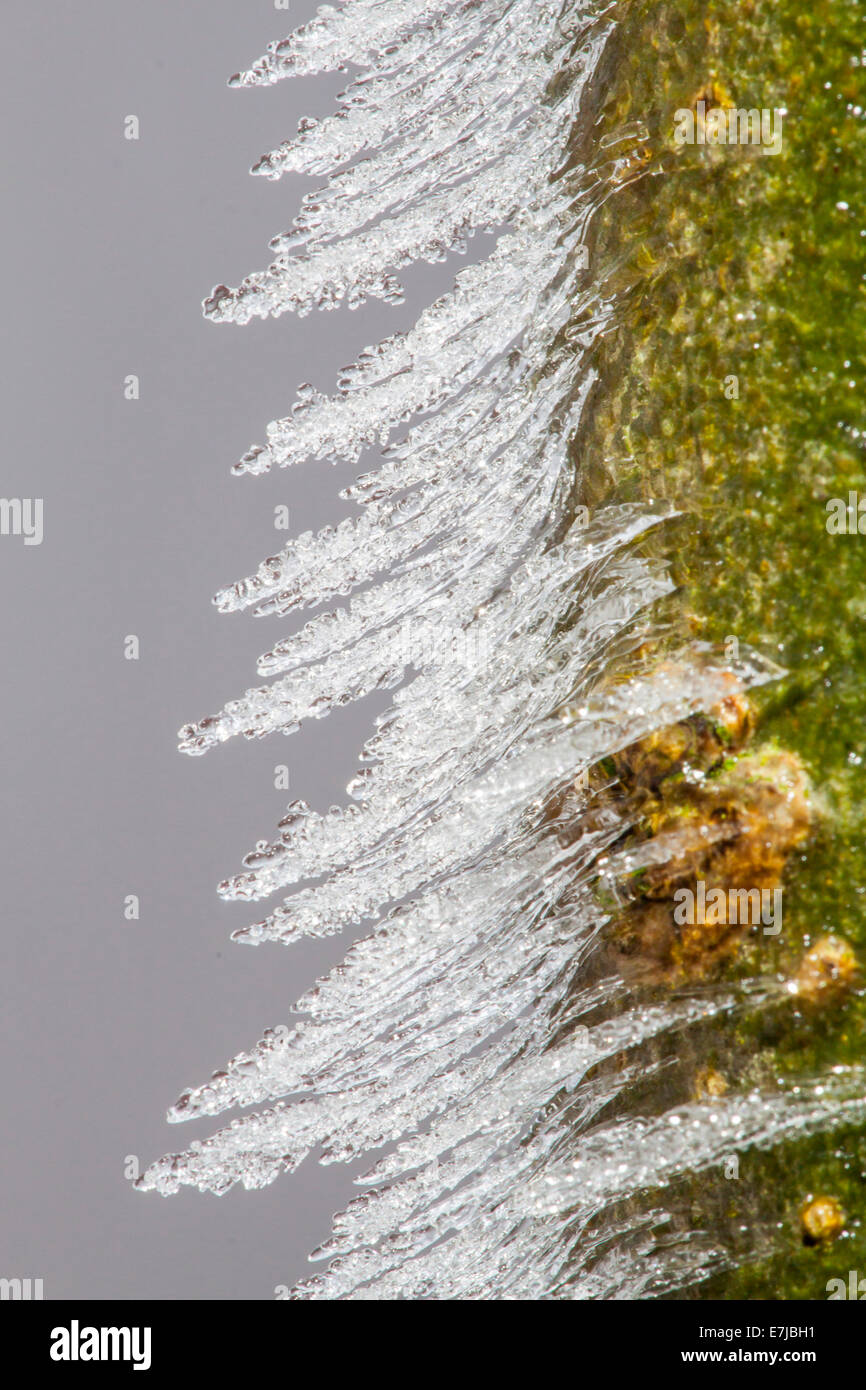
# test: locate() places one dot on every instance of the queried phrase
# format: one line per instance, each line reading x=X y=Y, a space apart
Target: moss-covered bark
x=732 y=383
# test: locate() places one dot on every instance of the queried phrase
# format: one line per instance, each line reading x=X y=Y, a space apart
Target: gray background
x=109 y=246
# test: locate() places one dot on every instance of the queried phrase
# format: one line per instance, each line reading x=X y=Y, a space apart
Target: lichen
x=708 y=824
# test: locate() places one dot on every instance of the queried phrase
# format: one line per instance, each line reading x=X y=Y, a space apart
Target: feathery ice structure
x=467 y=1032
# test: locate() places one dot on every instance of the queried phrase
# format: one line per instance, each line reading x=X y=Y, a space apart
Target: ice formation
x=453 y=1034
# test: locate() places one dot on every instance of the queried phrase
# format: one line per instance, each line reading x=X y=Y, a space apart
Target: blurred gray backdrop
x=109 y=246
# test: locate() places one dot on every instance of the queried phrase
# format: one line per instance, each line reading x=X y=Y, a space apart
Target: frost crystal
x=453 y=1032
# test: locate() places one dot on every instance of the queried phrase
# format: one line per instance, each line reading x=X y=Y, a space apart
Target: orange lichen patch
x=734 y=719
x=763 y=806
x=646 y=764
x=822 y=1220
x=827 y=972
x=709 y=820
x=713 y=94
x=725 y=839
x=702 y=741
x=709 y=1084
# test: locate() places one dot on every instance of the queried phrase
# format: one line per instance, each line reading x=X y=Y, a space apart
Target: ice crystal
x=453 y=1033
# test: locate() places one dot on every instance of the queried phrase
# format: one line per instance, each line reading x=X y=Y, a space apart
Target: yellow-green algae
x=730 y=263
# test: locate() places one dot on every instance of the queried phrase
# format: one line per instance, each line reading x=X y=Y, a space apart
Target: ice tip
x=218 y=295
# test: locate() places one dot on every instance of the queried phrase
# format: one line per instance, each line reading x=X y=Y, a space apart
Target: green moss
x=729 y=263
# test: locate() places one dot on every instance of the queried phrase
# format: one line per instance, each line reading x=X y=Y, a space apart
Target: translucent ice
x=453 y=1032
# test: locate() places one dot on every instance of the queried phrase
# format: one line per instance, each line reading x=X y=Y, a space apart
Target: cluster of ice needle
x=450 y=1038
